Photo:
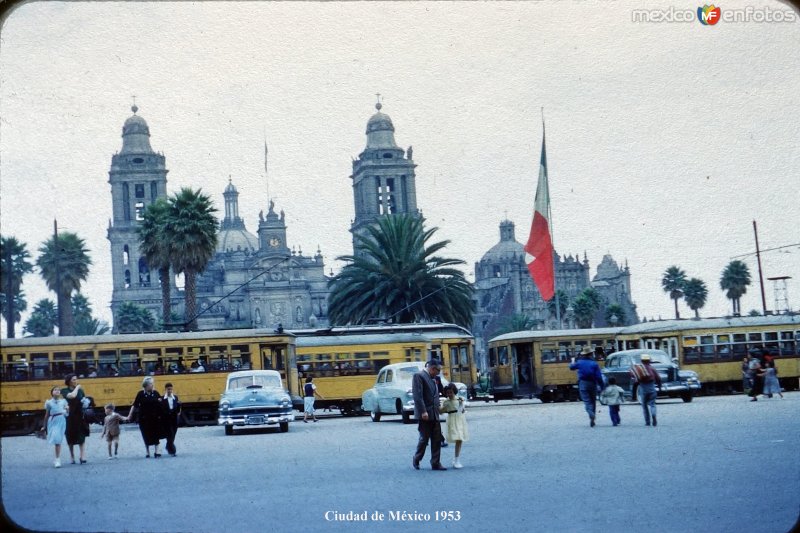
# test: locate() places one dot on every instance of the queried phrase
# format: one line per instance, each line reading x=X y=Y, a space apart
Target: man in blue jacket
x=590 y=380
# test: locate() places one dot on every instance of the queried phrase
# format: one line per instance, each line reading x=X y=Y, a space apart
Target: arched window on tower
x=126 y=202
x=126 y=255
x=127 y=279
x=144 y=273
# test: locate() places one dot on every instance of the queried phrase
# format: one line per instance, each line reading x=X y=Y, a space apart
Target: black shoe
x=591 y=422
x=156 y=455
x=147 y=456
x=438 y=467
x=647 y=423
x=444 y=444
x=655 y=422
x=83 y=461
x=415 y=464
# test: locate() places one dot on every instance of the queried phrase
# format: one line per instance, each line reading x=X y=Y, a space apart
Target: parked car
x=255 y=398
x=675 y=383
x=391 y=394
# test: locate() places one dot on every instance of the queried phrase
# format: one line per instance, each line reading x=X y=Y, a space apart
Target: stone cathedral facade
x=259 y=280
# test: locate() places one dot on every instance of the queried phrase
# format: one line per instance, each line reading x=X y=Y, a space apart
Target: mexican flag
x=539 y=249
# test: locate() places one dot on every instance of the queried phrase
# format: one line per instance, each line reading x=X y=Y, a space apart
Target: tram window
x=85 y=364
x=707 y=347
x=549 y=353
x=771 y=336
x=690 y=354
x=435 y=352
x=40 y=366
x=564 y=350
x=754 y=337
x=380 y=363
x=62 y=364
x=413 y=354
x=463 y=353
x=107 y=363
x=243 y=358
x=502 y=355
x=787 y=343
x=18 y=368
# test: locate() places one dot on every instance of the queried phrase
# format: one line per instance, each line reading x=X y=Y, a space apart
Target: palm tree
x=585 y=306
x=695 y=293
x=398 y=276
x=735 y=279
x=191 y=229
x=132 y=318
x=155 y=248
x=516 y=322
x=64 y=263
x=42 y=321
x=673 y=283
x=85 y=323
x=13 y=265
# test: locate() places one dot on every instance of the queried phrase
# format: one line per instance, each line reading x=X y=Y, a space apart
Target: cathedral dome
x=236 y=239
x=136 y=135
x=380 y=130
x=504 y=251
x=507 y=248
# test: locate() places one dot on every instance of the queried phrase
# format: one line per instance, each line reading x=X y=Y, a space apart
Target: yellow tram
x=344 y=361
x=111 y=369
x=536 y=363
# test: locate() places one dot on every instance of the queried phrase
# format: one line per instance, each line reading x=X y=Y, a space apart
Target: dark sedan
x=675 y=383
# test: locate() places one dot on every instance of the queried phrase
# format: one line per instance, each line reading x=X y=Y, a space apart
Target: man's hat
x=645 y=357
x=587 y=351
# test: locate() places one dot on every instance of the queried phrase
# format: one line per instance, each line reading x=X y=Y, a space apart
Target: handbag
x=41 y=433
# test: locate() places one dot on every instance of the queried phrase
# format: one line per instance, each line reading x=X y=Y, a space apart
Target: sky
x=665 y=140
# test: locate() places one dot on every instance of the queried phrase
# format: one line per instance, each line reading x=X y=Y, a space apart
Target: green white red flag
x=539 y=249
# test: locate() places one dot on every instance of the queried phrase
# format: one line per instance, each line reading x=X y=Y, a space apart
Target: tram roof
x=374 y=338
x=657 y=326
x=689 y=324
x=433 y=329
x=144 y=337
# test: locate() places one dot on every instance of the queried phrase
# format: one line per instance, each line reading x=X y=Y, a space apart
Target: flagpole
x=266 y=173
x=552 y=235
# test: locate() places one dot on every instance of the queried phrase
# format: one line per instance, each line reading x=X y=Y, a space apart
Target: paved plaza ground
x=719 y=464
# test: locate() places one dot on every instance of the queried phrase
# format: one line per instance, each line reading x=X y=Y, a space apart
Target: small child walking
x=613 y=396
x=55 y=421
x=111 y=429
x=457 y=430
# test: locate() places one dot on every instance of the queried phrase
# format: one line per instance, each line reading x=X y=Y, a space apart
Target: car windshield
x=405 y=373
x=254 y=381
x=655 y=357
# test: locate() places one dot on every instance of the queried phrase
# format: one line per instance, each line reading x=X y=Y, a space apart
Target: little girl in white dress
x=55 y=421
x=456 y=421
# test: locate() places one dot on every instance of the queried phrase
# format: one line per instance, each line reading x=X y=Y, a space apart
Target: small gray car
x=675 y=383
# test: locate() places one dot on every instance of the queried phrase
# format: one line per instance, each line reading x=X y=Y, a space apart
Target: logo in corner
x=708 y=15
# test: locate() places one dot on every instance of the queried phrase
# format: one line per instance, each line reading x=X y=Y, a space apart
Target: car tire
x=687 y=396
x=284 y=427
x=375 y=416
x=229 y=430
x=406 y=417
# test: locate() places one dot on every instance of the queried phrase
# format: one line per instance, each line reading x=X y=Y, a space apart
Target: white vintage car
x=391 y=394
x=255 y=398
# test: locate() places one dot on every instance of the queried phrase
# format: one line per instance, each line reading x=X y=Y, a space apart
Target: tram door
x=460 y=364
x=522 y=365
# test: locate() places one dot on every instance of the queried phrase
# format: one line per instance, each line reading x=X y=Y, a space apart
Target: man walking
x=648 y=379
x=590 y=380
x=426 y=410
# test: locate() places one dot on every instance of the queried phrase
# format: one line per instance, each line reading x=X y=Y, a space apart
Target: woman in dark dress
x=148 y=405
x=76 y=427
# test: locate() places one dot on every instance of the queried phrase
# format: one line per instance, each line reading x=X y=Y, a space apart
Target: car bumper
x=255 y=420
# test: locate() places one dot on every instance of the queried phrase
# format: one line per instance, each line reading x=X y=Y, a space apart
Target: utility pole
x=58 y=274
x=760 y=275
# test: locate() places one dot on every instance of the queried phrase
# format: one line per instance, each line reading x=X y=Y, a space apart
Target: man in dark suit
x=426 y=410
x=172 y=410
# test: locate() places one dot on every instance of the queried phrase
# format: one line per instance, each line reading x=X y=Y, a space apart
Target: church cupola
x=233 y=236
x=272 y=231
x=384 y=182
x=135 y=135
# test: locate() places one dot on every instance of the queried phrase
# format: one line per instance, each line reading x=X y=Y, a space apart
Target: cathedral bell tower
x=383 y=176
x=138 y=176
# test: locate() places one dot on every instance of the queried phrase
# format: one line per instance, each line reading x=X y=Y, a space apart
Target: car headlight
x=224 y=405
x=410 y=393
x=286 y=401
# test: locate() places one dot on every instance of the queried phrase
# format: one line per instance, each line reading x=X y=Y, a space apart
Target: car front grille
x=259 y=410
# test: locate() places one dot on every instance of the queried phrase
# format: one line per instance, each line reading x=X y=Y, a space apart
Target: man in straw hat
x=590 y=380
x=648 y=379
